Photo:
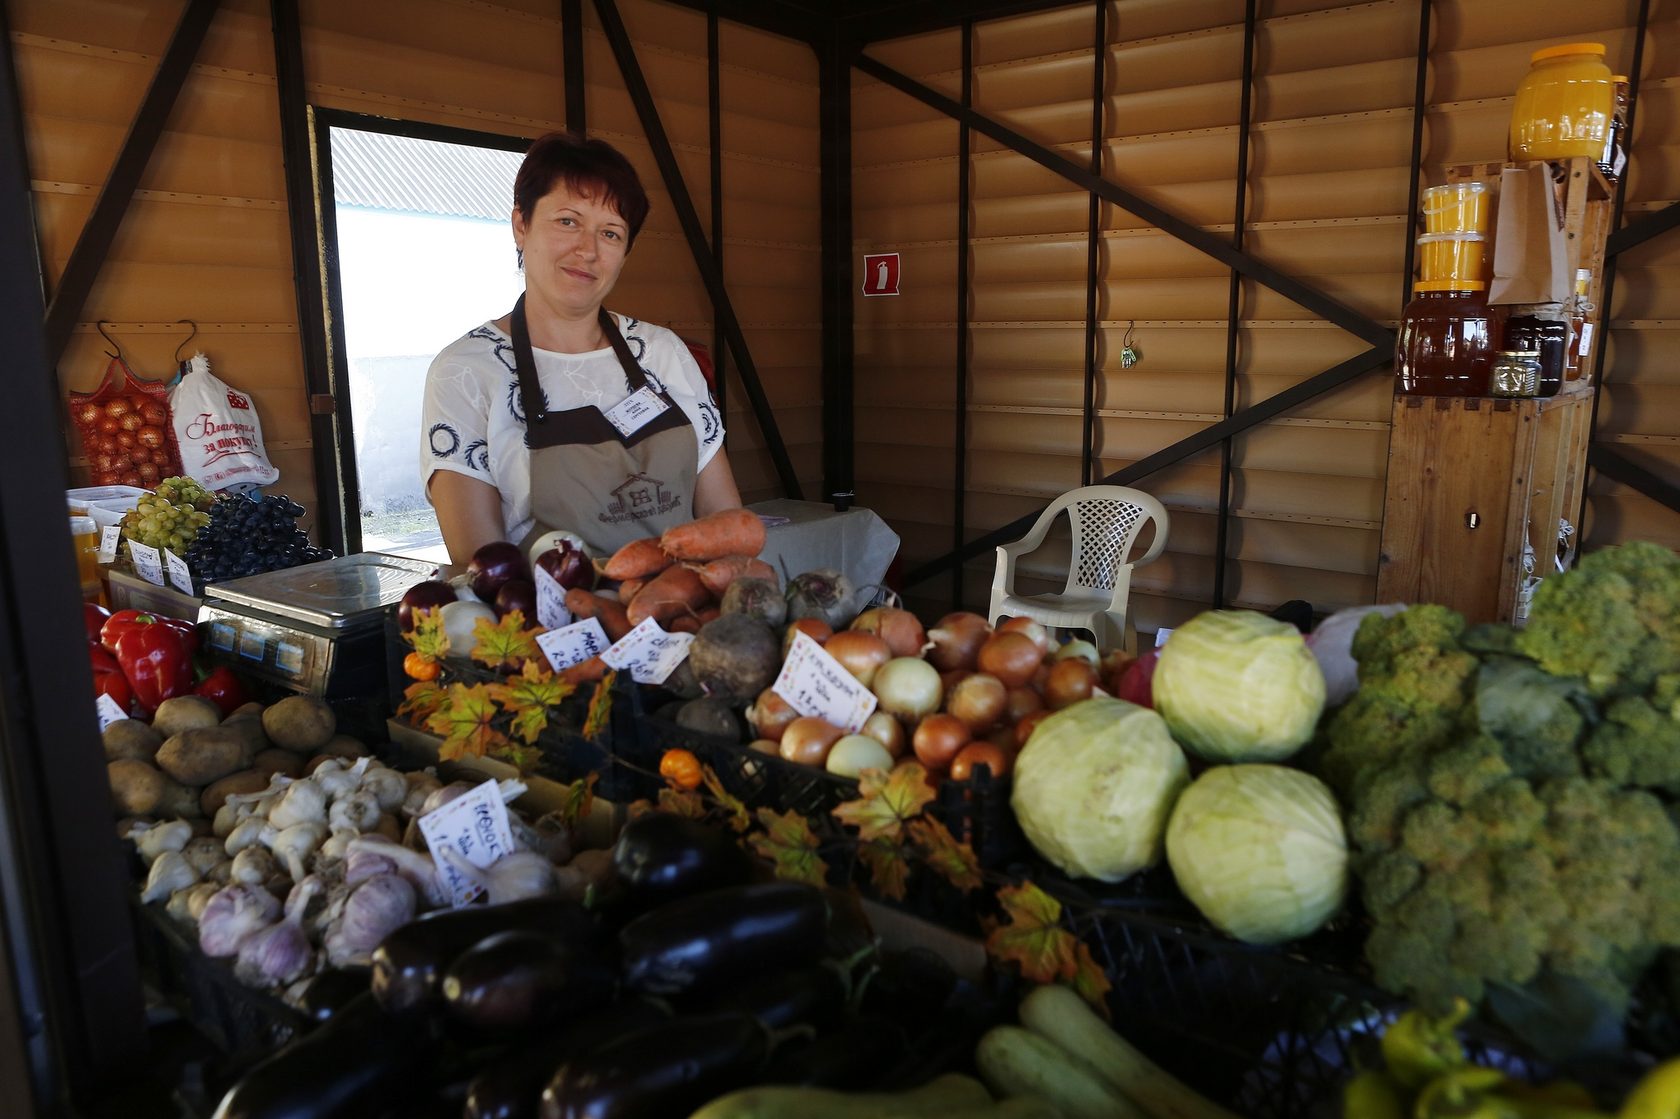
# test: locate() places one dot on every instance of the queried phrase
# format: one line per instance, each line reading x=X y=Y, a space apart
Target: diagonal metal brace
x=1367 y=329
x=1613 y=464
x=82 y=269
x=625 y=52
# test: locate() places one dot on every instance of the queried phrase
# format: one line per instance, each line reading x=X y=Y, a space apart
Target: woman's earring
x=1130 y=355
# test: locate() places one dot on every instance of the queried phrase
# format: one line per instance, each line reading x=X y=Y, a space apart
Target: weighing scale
x=317 y=628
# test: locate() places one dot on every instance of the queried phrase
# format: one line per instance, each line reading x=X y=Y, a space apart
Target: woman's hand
x=469 y=512
x=714 y=487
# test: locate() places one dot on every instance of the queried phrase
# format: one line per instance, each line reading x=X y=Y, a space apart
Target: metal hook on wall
x=116 y=347
x=187 y=341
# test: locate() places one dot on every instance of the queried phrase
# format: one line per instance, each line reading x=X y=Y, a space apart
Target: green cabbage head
x=1094 y=786
x=1260 y=851
x=1237 y=686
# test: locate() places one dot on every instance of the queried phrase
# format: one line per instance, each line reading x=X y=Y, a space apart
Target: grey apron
x=587 y=478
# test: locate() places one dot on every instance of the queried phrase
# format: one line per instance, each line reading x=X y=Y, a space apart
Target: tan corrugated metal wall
x=206 y=238
x=1328 y=181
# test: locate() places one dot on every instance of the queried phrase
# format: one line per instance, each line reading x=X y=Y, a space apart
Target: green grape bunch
x=170 y=516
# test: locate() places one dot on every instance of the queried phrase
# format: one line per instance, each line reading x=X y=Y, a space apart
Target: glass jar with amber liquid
x=1446 y=342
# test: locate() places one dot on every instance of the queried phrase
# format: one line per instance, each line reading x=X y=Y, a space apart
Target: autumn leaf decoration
x=577 y=798
x=600 y=707
x=528 y=696
x=422 y=700
x=428 y=637
x=1033 y=937
x=886 y=800
x=788 y=842
x=505 y=643
x=465 y=723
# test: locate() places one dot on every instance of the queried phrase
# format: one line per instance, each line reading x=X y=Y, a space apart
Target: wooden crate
x=1470 y=480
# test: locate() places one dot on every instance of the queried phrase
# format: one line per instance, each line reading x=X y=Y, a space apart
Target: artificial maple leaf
x=789 y=843
x=886 y=800
x=888 y=868
x=682 y=802
x=577 y=798
x=953 y=861
x=427 y=636
x=600 y=707
x=1033 y=936
x=735 y=811
x=1089 y=980
x=505 y=643
x=528 y=697
x=422 y=700
x=523 y=757
x=465 y=723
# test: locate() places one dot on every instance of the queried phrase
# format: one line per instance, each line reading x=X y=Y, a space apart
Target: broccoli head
x=1636 y=744
x=1614 y=620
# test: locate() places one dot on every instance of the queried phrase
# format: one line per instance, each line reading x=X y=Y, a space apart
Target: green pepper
x=1373 y=1094
x=1418 y=1047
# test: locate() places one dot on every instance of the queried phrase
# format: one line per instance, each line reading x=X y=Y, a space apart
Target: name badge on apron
x=634 y=412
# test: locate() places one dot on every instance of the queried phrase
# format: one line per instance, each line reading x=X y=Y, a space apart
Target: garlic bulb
x=337 y=844
x=204 y=852
x=337 y=777
x=418 y=868
x=199 y=897
x=421 y=785
x=155 y=840
x=293 y=846
x=176 y=907
x=376 y=907
x=253 y=866
x=232 y=915
x=303 y=802
x=357 y=811
x=222 y=873
x=386 y=786
x=170 y=872
x=523 y=874
x=251 y=831
x=443 y=794
x=280 y=953
x=363 y=863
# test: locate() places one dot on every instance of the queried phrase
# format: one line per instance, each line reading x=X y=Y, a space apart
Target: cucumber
x=1061 y=1016
x=951 y=1096
x=1017 y=1062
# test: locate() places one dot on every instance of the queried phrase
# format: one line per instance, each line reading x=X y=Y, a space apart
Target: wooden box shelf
x=1470 y=481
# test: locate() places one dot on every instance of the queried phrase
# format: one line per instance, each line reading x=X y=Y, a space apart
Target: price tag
x=1161 y=636
x=648 y=652
x=108 y=710
x=814 y=683
x=474 y=826
x=573 y=644
x=148 y=564
x=179 y=573
x=551 y=601
x=632 y=413
x=108 y=541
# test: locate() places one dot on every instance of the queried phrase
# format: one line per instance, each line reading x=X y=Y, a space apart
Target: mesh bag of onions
x=125 y=429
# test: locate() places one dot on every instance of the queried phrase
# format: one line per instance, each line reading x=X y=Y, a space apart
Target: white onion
x=909 y=688
x=854 y=753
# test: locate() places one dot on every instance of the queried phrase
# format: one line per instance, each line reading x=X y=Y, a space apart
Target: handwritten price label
x=573 y=644
x=148 y=563
x=108 y=541
x=648 y=652
x=108 y=711
x=179 y=573
x=814 y=683
x=551 y=601
x=474 y=826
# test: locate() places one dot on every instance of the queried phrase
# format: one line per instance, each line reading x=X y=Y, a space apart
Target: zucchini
x=952 y=1095
x=1061 y=1016
x=1017 y=1062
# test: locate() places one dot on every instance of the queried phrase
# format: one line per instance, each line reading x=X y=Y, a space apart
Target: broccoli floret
x=1537 y=717
x=1614 y=619
x=1636 y=744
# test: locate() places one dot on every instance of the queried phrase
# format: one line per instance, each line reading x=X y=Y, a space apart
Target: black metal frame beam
x=834 y=107
x=1093 y=237
x=94 y=242
x=1615 y=465
x=714 y=132
x=571 y=65
x=1643 y=229
x=774 y=16
x=959 y=471
x=654 y=129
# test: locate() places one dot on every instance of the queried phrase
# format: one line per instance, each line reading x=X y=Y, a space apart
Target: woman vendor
x=560 y=414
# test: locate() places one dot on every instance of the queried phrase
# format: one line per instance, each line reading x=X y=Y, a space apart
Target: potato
x=346 y=746
x=185 y=712
x=131 y=738
x=136 y=786
x=276 y=760
x=251 y=710
x=250 y=731
x=299 y=723
x=198 y=757
x=217 y=792
x=179 y=801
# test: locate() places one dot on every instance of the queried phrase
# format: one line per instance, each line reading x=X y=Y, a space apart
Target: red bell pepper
x=224 y=689
x=125 y=620
x=157 y=661
x=108 y=678
x=93 y=619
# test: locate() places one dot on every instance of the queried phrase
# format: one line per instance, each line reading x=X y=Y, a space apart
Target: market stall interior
x=1366 y=798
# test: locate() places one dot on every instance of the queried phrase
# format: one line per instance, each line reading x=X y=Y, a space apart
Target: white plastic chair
x=1106 y=523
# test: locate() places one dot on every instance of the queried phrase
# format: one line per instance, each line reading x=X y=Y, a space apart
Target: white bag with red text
x=218 y=431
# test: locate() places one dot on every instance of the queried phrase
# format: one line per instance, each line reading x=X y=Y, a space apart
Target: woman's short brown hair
x=590 y=167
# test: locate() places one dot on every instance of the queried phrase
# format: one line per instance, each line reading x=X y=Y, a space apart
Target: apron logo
x=637 y=498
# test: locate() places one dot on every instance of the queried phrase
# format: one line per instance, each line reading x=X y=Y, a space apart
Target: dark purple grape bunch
x=248 y=535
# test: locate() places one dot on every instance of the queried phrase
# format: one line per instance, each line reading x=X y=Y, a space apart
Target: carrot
x=587 y=604
x=729 y=532
x=637 y=560
x=583 y=672
x=670 y=594
x=718 y=574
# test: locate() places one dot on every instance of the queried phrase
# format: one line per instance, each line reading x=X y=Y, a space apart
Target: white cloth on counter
x=803 y=536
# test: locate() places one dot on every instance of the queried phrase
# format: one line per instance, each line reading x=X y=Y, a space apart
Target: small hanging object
x=1130 y=355
x=181 y=362
x=116 y=347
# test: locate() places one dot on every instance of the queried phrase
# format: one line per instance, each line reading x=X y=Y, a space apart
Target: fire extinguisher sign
x=880 y=274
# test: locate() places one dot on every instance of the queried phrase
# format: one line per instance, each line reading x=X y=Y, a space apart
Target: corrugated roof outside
x=408 y=175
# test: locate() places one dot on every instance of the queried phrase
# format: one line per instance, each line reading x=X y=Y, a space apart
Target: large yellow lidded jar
x=1564 y=104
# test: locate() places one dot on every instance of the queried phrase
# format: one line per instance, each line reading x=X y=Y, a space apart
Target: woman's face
x=574 y=247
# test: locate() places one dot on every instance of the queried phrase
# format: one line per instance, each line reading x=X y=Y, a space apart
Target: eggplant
x=700 y=944
x=660 y=857
x=850 y=1057
x=665 y=1070
x=807 y=996
x=523 y=977
x=511 y=1087
x=344 y=1069
x=408 y=965
x=331 y=991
